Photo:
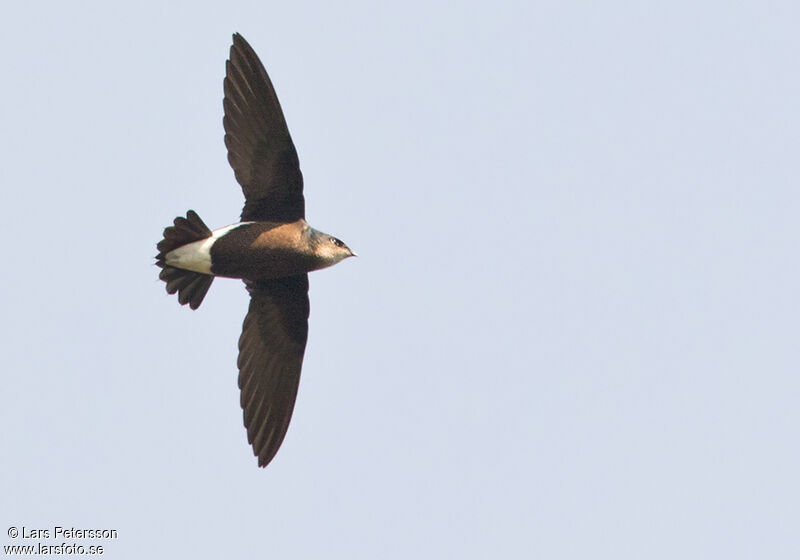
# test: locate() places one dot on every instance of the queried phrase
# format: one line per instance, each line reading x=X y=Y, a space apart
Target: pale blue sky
x=572 y=331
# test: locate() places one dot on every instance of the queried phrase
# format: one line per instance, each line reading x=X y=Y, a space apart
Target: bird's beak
x=352 y=253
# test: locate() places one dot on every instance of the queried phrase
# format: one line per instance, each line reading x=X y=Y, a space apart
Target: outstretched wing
x=260 y=149
x=270 y=357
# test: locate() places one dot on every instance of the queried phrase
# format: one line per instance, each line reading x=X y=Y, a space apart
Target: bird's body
x=272 y=249
x=257 y=251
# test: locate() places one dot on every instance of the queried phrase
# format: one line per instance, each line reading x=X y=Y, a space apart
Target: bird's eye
x=336 y=242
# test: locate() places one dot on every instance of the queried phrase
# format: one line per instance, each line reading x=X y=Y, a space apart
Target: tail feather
x=195 y=291
x=186 y=230
x=191 y=286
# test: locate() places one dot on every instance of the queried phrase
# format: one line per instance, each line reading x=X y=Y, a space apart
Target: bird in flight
x=271 y=249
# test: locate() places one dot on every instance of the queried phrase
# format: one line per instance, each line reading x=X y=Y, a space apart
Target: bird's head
x=330 y=250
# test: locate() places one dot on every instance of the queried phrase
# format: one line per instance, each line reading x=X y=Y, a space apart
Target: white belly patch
x=196 y=256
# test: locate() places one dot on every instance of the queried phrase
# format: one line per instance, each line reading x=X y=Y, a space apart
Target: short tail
x=191 y=286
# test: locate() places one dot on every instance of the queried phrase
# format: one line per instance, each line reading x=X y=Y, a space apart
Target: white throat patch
x=196 y=256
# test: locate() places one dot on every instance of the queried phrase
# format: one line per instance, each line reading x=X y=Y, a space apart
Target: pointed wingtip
x=265 y=460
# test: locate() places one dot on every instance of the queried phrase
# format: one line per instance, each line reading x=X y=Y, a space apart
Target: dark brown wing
x=260 y=149
x=270 y=357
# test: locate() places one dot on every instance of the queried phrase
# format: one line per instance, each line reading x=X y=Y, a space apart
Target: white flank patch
x=196 y=256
